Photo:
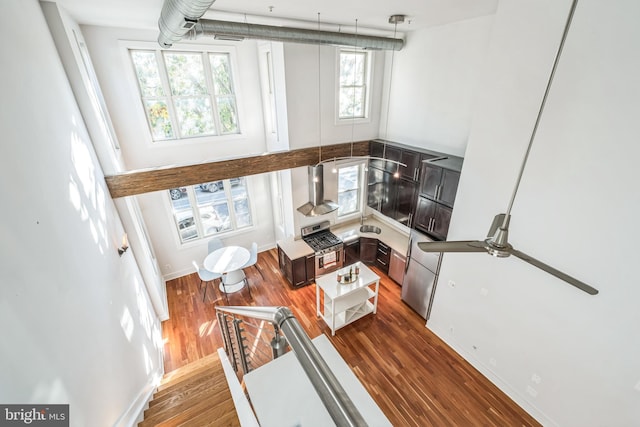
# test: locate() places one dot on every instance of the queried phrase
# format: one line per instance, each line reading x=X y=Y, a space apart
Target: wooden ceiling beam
x=132 y=183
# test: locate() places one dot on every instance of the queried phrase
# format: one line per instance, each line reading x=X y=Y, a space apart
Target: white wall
x=305 y=95
x=570 y=359
x=434 y=79
x=79 y=327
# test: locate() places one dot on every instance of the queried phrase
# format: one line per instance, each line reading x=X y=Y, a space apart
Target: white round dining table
x=229 y=261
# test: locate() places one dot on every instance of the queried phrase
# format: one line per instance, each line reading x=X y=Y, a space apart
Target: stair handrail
x=338 y=403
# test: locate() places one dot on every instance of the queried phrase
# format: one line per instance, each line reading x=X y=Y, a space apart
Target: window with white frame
x=210 y=208
x=354 y=83
x=186 y=94
x=349 y=184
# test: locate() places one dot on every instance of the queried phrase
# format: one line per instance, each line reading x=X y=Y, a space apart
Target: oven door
x=328 y=262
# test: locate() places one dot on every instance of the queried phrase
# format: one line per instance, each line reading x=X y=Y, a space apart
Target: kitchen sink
x=370 y=229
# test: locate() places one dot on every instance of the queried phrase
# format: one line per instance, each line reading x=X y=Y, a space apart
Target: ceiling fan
x=497 y=241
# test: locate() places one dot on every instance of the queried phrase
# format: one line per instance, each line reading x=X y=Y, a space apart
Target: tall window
x=349 y=190
x=354 y=82
x=186 y=94
x=210 y=208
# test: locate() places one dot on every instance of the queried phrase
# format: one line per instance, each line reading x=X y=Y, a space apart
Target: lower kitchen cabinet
x=383 y=256
x=396 y=266
x=299 y=271
x=351 y=252
x=368 y=250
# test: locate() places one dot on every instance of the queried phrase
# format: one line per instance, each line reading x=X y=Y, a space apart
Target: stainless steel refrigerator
x=419 y=284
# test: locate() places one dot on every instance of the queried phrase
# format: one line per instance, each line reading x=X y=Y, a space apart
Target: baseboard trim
x=135 y=412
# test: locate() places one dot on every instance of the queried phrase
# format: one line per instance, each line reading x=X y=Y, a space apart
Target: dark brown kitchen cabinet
x=380 y=195
x=439 y=184
x=383 y=256
x=311 y=268
x=428 y=174
x=412 y=161
x=368 y=250
x=351 y=252
x=299 y=271
x=406 y=193
x=432 y=218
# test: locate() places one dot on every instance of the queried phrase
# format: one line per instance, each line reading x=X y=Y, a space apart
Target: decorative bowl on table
x=346 y=279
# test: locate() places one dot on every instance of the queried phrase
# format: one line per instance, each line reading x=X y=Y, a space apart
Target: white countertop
x=295 y=248
x=389 y=235
x=397 y=240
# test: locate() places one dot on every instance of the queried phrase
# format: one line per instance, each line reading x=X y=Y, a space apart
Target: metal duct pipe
x=178 y=17
x=239 y=31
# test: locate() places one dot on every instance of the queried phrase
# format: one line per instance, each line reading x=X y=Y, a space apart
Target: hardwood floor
x=415 y=378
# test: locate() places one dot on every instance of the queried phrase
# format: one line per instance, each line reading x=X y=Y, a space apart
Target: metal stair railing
x=335 y=399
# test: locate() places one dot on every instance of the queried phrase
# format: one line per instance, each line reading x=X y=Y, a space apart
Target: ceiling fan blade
x=458 y=246
x=559 y=274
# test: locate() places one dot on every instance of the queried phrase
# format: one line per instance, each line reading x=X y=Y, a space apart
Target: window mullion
x=195 y=209
x=211 y=89
x=164 y=78
x=232 y=208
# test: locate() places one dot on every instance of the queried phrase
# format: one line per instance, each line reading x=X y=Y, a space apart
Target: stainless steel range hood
x=317 y=205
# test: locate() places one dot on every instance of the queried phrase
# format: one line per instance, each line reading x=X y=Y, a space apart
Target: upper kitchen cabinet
x=410 y=157
x=380 y=191
x=397 y=196
x=440 y=178
x=438 y=189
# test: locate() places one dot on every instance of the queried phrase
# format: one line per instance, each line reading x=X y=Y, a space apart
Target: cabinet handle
x=437 y=192
x=380 y=261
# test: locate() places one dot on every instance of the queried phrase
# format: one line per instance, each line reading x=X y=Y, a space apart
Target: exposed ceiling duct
x=178 y=17
x=317 y=205
x=181 y=18
x=239 y=31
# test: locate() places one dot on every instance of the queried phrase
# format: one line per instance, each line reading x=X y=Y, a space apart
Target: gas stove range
x=326 y=245
x=320 y=238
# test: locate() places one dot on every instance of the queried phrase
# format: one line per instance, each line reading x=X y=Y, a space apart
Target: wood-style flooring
x=414 y=377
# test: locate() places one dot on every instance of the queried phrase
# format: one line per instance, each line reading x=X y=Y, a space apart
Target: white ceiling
x=372 y=14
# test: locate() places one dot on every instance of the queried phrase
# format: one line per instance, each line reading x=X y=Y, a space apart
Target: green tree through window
x=186 y=94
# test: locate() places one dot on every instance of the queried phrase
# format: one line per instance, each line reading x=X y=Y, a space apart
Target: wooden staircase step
x=214 y=385
x=189 y=370
x=194 y=395
x=211 y=374
x=186 y=411
x=219 y=416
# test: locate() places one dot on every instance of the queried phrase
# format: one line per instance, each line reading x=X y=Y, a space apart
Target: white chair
x=253 y=255
x=207 y=276
x=214 y=244
x=253 y=259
